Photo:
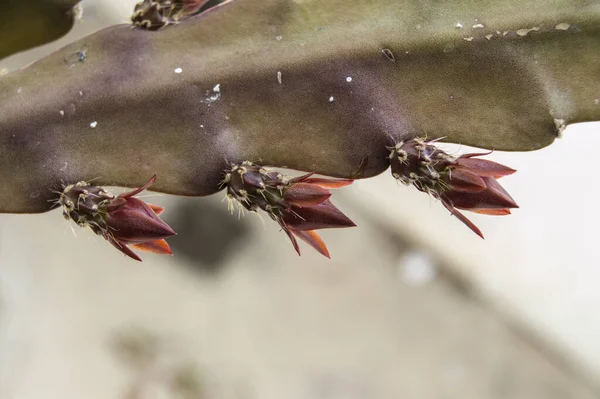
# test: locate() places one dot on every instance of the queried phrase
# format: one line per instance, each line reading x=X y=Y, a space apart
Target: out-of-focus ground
x=412 y=305
x=380 y=320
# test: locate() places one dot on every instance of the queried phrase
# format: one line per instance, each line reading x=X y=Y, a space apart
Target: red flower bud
x=466 y=182
x=300 y=205
x=122 y=220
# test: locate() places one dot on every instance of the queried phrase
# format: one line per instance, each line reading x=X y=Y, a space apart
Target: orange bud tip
x=157 y=247
x=313 y=239
x=329 y=183
x=157 y=209
x=494 y=212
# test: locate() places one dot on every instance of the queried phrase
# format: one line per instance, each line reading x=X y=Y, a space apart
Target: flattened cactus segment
x=309 y=85
x=29 y=23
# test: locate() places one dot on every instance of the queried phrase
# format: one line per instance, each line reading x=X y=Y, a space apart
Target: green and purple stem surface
x=29 y=23
x=304 y=84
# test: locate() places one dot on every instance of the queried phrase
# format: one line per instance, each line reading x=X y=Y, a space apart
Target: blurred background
x=412 y=304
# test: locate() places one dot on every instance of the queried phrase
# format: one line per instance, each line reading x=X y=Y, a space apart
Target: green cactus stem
x=29 y=23
x=325 y=85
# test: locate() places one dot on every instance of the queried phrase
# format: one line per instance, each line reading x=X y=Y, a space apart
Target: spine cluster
x=155 y=14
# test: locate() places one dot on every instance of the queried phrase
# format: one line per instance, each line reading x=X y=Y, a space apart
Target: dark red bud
x=122 y=220
x=136 y=222
x=321 y=216
x=313 y=239
x=463 y=180
x=306 y=194
x=483 y=167
x=329 y=183
x=493 y=197
x=300 y=204
x=466 y=182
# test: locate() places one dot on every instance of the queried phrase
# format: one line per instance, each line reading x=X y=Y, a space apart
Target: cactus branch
x=29 y=23
x=325 y=84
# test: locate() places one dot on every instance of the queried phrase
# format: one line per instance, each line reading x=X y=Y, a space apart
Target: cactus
x=28 y=23
x=325 y=86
